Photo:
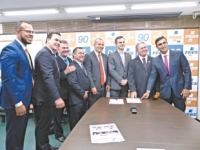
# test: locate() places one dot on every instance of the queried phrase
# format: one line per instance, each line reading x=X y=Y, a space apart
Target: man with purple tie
x=174 y=72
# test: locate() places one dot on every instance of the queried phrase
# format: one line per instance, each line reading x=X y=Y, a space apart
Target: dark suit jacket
x=117 y=70
x=91 y=64
x=138 y=76
x=64 y=85
x=47 y=78
x=178 y=79
x=79 y=83
x=16 y=76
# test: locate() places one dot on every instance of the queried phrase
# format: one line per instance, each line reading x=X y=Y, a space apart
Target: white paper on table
x=148 y=149
x=133 y=100
x=116 y=101
x=105 y=133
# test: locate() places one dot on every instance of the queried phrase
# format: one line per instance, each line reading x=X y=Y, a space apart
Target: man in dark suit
x=96 y=65
x=79 y=87
x=46 y=94
x=139 y=70
x=174 y=72
x=118 y=69
x=63 y=63
x=17 y=85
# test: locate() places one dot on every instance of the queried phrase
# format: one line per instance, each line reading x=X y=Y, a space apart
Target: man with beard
x=118 y=69
x=17 y=85
x=46 y=94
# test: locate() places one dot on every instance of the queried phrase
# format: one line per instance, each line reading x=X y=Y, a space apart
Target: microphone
x=133 y=110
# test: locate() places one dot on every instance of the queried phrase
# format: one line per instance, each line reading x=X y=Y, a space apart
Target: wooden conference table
x=156 y=125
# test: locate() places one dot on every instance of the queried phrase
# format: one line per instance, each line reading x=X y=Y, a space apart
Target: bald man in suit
x=96 y=65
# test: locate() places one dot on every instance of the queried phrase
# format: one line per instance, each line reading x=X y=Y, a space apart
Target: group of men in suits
x=58 y=81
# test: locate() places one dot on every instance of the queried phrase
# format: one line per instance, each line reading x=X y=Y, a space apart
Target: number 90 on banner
x=83 y=39
x=143 y=36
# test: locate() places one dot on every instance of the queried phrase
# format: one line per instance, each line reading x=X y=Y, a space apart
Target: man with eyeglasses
x=118 y=68
x=175 y=75
x=17 y=77
x=63 y=63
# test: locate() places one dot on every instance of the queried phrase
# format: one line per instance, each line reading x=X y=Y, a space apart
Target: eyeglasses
x=28 y=31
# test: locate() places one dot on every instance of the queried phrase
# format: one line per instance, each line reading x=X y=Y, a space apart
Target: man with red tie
x=96 y=65
x=174 y=72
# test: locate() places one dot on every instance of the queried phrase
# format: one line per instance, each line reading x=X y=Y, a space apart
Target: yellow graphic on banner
x=191 y=36
x=191 y=101
x=70 y=38
x=95 y=35
x=129 y=37
x=157 y=33
x=194 y=67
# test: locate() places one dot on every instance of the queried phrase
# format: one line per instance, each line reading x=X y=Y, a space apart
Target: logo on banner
x=129 y=37
x=191 y=101
x=194 y=67
x=86 y=49
x=191 y=51
x=176 y=37
x=191 y=113
x=110 y=39
x=176 y=47
x=95 y=35
x=191 y=36
x=70 y=38
x=157 y=33
x=109 y=49
x=131 y=52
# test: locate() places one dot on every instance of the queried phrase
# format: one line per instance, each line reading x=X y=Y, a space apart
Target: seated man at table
x=79 y=87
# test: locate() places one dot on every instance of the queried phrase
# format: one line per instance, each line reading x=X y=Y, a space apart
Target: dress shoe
x=61 y=139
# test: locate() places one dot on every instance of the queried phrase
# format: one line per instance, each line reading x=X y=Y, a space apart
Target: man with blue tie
x=17 y=85
x=174 y=72
x=63 y=63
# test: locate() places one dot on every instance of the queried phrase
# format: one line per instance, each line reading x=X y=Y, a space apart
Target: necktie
x=84 y=69
x=101 y=70
x=166 y=63
x=29 y=60
x=66 y=61
x=122 y=57
x=144 y=63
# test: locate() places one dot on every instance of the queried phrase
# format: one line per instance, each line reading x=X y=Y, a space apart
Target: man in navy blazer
x=17 y=85
x=174 y=72
x=92 y=65
x=64 y=68
x=79 y=87
x=46 y=93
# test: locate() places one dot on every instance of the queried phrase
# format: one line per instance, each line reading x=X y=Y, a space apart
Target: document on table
x=105 y=133
x=116 y=101
x=133 y=100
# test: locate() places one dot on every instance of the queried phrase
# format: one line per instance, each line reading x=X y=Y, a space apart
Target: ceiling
x=11 y=5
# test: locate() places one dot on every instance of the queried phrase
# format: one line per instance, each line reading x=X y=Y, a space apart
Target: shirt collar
x=22 y=45
x=80 y=64
x=165 y=54
x=97 y=53
x=143 y=57
x=51 y=50
x=120 y=52
x=62 y=57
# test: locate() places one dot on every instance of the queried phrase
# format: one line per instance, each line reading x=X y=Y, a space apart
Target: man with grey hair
x=139 y=71
x=96 y=64
x=17 y=77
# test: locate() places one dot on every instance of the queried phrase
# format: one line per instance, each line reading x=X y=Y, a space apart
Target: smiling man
x=139 y=71
x=174 y=72
x=17 y=85
x=79 y=87
x=46 y=96
x=96 y=64
x=118 y=69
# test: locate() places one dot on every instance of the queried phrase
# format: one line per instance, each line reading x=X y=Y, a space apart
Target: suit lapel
x=126 y=59
x=77 y=65
x=161 y=63
x=119 y=57
x=171 y=60
x=140 y=63
x=149 y=61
